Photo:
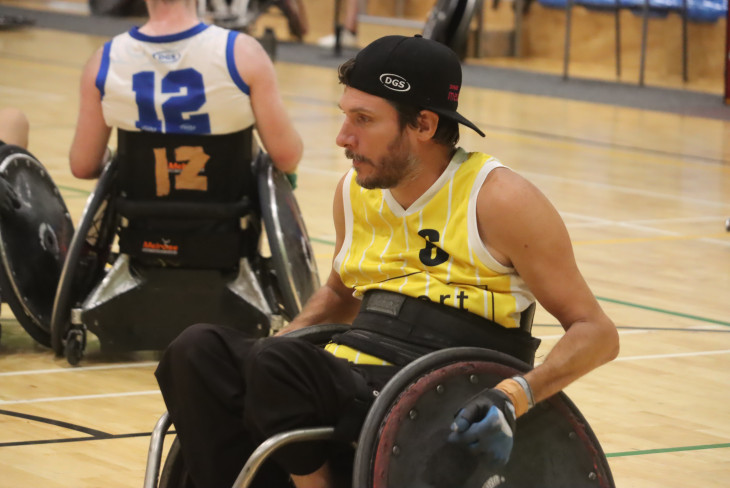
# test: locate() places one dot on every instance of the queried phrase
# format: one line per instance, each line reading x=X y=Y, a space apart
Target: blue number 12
x=187 y=81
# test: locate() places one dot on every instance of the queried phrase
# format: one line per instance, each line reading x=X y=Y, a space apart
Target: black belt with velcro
x=399 y=329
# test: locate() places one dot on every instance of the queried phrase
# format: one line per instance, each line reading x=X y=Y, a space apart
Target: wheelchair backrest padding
x=183 y=197
x=197 y=168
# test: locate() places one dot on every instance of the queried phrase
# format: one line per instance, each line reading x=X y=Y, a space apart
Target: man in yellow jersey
x=435 y=247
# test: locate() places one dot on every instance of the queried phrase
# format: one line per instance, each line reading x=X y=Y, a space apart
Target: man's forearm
x=325 y=306
x=584 y=347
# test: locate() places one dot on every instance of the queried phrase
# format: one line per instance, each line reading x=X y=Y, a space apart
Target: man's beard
x=390 y=170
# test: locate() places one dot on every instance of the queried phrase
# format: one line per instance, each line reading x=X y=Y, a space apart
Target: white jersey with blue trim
x=185 y=83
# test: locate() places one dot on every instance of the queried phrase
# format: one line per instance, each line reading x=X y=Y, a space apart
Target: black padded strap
x=398 y=329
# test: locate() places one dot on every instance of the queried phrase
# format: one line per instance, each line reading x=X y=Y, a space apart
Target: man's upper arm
x=277 y=133
x=92 y=134
x=518 y=222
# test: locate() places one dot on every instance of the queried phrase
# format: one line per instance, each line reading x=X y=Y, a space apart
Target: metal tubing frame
x=245 y=477
x=154 y=454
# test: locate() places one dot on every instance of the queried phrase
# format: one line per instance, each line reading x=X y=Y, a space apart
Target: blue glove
x=486 y=425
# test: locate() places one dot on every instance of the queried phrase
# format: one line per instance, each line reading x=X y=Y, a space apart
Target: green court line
x=668 y=312
x=321 y=241
x=604 y=299
x=75 y=190
x=612 y=300
x=668 y=449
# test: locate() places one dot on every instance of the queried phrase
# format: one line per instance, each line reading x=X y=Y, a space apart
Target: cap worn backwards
x=412 y=70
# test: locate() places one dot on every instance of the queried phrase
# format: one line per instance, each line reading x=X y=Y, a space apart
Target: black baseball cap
x=412 y=70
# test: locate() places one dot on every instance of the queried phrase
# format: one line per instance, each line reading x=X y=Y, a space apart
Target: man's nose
x=345 y=138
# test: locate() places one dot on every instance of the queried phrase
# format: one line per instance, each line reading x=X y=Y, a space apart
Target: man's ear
x=427 y=123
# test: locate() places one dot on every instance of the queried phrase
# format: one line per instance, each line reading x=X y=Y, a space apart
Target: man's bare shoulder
x=504 y=188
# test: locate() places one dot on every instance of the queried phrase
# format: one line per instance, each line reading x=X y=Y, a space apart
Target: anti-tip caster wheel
x=75 y=345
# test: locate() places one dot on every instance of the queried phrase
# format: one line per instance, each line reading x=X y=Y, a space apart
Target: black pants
x=227 y=393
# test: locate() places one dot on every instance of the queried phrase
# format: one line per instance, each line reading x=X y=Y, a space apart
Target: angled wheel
x=448 y=23
x=34 y=239
x=88 y=254
x=174 y=472
x=292 y=257
x=404 y=439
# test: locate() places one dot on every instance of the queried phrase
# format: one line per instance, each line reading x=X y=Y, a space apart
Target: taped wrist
x=516 y=394
x=528 y=391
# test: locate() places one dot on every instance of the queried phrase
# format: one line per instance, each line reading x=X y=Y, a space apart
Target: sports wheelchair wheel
x=292 y=258
x=448 y=23
x=34 y=239
x=404 y=443
x=88 y=254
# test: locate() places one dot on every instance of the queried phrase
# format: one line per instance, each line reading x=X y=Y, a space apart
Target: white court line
x=624 y=189
x=80 y=369
x=673 y=355
x=596 y=222
x=35 y=94
x=620 y=332
x=604 y=186
x=638 y=225
x=80 y=397
x=157 y=392
x=76 y=7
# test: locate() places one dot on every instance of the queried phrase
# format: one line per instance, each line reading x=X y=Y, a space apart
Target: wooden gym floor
x=644 y=194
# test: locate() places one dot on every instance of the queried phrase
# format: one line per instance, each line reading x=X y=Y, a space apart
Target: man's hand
x=486 y=425
x=9 y=201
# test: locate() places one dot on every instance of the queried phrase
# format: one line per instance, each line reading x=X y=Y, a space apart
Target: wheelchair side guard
x=291 y=252
x=448 y=23
x=88 y=254
x=34 y=241
x=404 y=439
x=144 y=308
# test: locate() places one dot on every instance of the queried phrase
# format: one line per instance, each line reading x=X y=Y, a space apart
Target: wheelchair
x=34 y=239
x=241 y=15
x=154 y=254
x=403 y=441
x=448 y=22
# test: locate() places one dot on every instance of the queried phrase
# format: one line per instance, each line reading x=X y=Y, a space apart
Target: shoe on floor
x=347 y=39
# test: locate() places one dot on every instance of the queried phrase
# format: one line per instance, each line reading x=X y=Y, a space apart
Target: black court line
x=66 y=425
x=80 y=439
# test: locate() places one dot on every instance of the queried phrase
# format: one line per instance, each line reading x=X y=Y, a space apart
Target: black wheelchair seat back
x=181 y=167
x=182 y=197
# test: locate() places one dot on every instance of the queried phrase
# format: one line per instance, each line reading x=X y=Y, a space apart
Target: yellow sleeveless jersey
x=432 y=249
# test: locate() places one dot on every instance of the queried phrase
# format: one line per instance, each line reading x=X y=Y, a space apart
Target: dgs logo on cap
x=394 y=82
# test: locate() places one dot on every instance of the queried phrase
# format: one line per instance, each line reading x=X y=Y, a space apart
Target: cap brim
x=457 y=117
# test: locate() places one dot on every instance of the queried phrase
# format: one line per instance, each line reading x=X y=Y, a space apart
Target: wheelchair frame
x=278 y=290
x=394 y=408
